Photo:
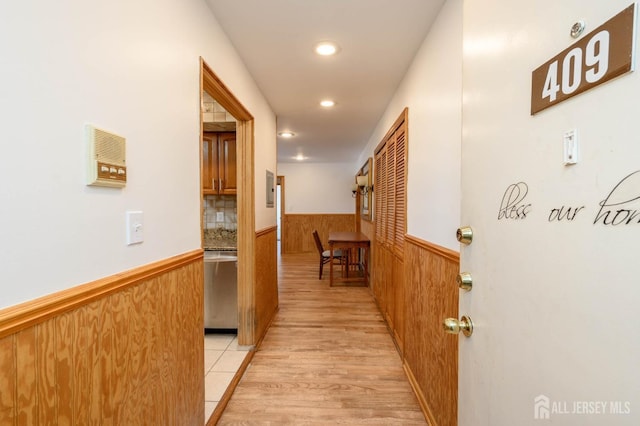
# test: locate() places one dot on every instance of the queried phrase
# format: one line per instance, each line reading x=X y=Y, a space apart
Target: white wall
x=432 y=90
x=128 y=67
x=318 y=187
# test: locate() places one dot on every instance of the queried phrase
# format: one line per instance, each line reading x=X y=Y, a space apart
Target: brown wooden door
x=209 y=163
x=227 y=163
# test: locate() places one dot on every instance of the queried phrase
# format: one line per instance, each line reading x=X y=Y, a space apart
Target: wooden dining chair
x=325 y=255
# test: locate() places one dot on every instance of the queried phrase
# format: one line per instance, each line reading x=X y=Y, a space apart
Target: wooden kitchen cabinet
x=219 y=163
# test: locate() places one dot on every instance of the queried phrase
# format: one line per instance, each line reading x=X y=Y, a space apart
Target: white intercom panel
x=106 y=162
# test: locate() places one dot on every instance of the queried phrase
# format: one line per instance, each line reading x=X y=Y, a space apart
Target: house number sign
x=603 y=54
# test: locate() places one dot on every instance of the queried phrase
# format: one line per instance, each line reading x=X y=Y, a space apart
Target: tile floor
x=222 y=358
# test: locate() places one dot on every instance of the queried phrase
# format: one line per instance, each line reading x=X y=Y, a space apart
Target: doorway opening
x=245 y=202
x=279 y=210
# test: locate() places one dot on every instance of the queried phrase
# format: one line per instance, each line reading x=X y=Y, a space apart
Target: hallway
x=327 y=358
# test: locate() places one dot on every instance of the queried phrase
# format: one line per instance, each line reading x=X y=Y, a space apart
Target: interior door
x=227 y=163
x=553 y=259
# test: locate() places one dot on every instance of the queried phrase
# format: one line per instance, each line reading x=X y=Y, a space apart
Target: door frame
x=210 y=83
x=280 y=181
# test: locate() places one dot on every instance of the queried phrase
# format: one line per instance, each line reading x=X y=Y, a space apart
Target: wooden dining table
x=350 y=243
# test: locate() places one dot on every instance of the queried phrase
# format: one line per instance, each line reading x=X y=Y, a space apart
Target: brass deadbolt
x=464 y=234
x=464 y=280
x=453 y=326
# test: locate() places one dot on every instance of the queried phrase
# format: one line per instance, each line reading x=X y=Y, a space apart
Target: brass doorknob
x=464 y=234
x=453 y=326
x=464 y=280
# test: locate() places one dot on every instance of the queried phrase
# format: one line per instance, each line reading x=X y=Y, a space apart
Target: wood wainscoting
x=388 y=286
x=127 y=349
x=431 y=355
x=266 y=288
x=298 y=229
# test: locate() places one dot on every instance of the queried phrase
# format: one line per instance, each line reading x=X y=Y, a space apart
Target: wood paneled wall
x=388 y=286
x=123 y=350
x=430 y=354
x=368 y=228
x=266 y=287
x=298 y=228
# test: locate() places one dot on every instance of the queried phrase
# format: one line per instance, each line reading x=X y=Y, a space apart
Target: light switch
x=219 y=216
x=135 y=227
x=570 y=141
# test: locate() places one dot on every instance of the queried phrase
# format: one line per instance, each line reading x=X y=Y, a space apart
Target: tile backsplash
x=225 y=204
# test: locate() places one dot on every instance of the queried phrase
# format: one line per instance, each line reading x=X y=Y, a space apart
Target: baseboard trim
x=421 y=399
x=19 y=317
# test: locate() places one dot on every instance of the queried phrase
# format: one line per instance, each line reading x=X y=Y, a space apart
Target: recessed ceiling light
x=299 y=157
x=327 y=103
x=326 y=48
x=286 y=134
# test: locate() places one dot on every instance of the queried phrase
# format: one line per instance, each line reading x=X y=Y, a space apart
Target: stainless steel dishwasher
x=220 y=290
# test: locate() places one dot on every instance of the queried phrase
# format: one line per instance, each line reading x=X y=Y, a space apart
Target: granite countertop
x=220 y=239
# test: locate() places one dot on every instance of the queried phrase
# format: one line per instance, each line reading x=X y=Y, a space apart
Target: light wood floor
x=327 y=359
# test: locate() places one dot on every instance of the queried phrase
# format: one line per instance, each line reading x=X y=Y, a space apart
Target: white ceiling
x=378 y=40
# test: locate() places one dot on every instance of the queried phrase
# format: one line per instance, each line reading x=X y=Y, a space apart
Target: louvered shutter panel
x=391 y=200
x=390 y=191
x=383 y=196
x=378 y=189
x=400 y=190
